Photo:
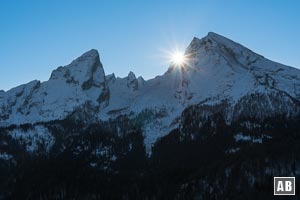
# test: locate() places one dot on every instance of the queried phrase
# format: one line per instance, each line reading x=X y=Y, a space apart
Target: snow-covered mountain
x=218 y=70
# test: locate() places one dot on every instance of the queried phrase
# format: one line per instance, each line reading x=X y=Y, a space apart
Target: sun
x=178 y=58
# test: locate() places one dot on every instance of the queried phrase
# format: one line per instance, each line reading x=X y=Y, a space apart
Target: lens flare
x=178 y=58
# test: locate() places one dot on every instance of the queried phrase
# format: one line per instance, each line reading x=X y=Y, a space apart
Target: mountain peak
x=91 y=55
x=222 y=41
x=216 y=36
x=86 y=70
x=210 y=41
x=217 y=48
x=132 y=82
x=131 y=76
x=110 y=77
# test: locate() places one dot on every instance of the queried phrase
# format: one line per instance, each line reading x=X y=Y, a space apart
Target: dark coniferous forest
x=95 y=161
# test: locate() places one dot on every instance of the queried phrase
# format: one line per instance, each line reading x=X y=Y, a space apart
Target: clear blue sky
x=38 y=36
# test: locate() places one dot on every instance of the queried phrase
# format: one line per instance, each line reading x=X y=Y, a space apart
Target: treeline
x=108 y=161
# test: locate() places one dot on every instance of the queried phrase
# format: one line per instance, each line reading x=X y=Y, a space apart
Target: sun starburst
x=178 y=58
